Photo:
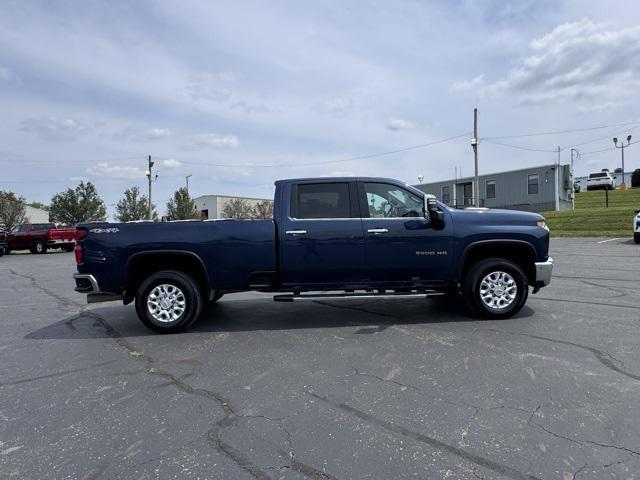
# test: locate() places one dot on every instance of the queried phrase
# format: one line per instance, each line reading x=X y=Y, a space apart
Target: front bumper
x=543 y=273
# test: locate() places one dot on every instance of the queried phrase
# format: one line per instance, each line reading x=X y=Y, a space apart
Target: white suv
x=636 y=227
x=600 y=181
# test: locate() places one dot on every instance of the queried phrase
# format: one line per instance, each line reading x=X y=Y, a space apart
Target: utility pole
x=573 y=189
x=474 y=145
x=149 y=176
x=623 y=186
x=187 y=179
x=558 y=181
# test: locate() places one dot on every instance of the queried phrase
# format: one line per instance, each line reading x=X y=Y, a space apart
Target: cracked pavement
x=355 y=389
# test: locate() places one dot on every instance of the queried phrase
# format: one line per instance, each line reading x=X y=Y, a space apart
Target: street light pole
x=187 y=179
x=622 y=146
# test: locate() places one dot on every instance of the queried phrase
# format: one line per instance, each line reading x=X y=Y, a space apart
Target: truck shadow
x=227 y=316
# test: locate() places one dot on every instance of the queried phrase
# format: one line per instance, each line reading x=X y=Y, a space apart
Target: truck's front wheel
x=495 y=288
x=168 y=301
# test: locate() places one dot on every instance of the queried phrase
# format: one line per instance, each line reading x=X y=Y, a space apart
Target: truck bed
x=235 y=248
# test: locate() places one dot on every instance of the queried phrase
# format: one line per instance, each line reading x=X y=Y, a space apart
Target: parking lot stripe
x=609 y=240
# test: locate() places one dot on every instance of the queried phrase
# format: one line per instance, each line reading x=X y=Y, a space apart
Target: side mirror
x=637 y=211
x=432 y=212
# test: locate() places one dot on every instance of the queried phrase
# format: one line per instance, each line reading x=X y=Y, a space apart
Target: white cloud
x=215 y=140
x=142 y=135
x=115 y=171
x=171 y=163
x=53 y=128
x=210 y=86
x=397 y=124
x=337 y=106
x=474 y=83
x=591 y=65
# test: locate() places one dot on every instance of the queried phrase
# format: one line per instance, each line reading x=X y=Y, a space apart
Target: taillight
x=80 y=235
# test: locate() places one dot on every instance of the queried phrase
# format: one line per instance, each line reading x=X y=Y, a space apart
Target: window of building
x=446 y=194
x=390 y=201
x=532 y=184
x=491 y=189
x=322 y=200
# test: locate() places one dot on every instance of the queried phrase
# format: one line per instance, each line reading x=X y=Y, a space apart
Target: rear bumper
x=87 y=283
x=543 y=273
x=59 y=242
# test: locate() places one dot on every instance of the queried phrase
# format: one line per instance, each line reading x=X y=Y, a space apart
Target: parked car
x=363 y=237
x=39 y=237
x=635 y=178
x=576 y=187
x=600 y=181
x=3 y=242
x=636 y=227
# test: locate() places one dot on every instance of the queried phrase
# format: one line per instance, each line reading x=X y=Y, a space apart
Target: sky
x=240 y=94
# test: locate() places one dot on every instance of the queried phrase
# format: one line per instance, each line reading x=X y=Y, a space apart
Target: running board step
x=291 y=297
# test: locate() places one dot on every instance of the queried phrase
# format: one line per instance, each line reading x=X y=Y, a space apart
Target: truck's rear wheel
x=636 y=237
x=495 y=288
x=39 y=247
x=168 y=301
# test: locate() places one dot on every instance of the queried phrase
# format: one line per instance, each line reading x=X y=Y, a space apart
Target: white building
x=211 y=206
x=36 y=215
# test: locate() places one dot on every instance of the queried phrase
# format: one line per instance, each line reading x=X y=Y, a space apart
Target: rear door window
x=322 y=200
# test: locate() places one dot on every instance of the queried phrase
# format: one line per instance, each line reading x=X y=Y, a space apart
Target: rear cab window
x=322 y=201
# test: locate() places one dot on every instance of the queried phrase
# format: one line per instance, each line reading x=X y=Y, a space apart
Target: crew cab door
x=321 y=236
x=19 y=237
x=402 y=246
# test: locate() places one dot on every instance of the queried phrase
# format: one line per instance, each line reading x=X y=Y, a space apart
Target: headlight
x=541 y=223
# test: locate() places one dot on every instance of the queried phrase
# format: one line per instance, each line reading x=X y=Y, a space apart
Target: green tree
x=134 y=206
x=39 y=205
x=263 y=210
x=12 y=210
x=181 y=206
x=77 y=205
x=237 y=208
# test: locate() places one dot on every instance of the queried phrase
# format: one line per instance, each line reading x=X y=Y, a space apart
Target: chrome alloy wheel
x=166 y=303
x=498 y=290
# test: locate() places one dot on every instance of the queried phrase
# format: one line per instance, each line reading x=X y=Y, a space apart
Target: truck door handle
x=377 y=231
x=296 y=232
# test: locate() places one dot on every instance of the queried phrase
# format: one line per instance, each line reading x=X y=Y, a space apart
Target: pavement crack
x=53 y=374
x=214 y=434
x=432 y=442
x=382 y=379
x=57 y=297
x=603 y=357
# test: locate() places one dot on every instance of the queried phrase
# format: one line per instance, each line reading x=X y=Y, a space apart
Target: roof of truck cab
x=339 y=179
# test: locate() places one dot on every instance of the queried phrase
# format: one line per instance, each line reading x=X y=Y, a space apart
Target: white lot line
x=610 y=240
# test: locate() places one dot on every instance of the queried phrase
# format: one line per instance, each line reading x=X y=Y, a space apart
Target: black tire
x=636 y=237
x=192 y=301
x=40 y=247
x=1 y=252
x=471 y=288
x=7 y=251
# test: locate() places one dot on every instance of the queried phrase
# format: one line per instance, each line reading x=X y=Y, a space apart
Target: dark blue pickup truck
x=329 y=238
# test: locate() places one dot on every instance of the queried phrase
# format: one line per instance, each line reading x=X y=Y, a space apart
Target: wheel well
x=519 y=253
x=141 y=266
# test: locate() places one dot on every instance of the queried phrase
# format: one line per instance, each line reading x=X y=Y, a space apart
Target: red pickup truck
x=39 y=237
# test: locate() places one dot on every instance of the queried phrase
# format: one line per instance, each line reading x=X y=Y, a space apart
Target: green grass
x=592 y=219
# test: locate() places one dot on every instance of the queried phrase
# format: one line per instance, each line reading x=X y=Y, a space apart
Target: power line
x=325 y=162
x=558 y=132
x=519 y=147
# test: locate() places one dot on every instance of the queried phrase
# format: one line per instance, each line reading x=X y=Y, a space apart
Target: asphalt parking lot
x=382 y=389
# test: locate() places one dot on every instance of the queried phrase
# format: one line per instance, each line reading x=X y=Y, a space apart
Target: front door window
x=389 y=201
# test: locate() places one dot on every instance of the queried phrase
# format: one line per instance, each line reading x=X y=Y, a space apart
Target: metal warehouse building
x=536 y=189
